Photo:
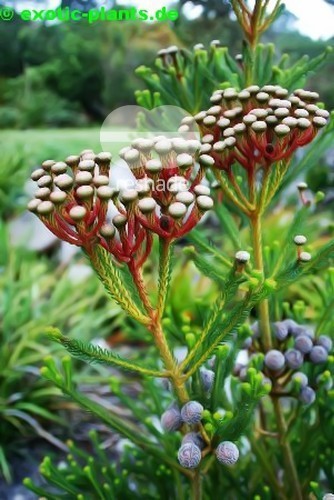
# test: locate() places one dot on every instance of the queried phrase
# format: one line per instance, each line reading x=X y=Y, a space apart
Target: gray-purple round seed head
x=304 y=344
x=227 y=453
x=195 y=438
x=274 y=360
x=207 y=378
x=318 y=354
x=294 y=359
x=325 y=342
x=280 y=330
x=300 y=378
x=291 y=325
x=307 y=395
x=189 y=455
x=171 y=419
x=247 y=343
x=191 y=412
x=328 y=496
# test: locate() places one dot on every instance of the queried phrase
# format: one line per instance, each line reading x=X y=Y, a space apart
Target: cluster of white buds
x=167 y=199
x=258 y=126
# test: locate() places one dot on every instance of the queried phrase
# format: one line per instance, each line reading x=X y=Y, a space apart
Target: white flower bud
x=33 y=204
x=45 y=208
x=282 y=130
x=131 y=156
x=105 y=192
x=242 y=257
x=43 y=193
x=47 y=164
x=230 y=94
x=253 y=89
x=58 y=197
x=223 y=122
x=208 y=138
x=83 y=178
x=262 y=96
x=229 y=132
x=147 y=205
x=59 y=168
x=84 y=192
x=305 y=257
x=180 y=145
x=249 y=119
x=200 y=190
x=44 y=181
x=301 y=113
x=78 y=213
x=204 y=203
x=37 y=174
x=290 y=121
x=193 y=145
x=63 y=181
x=200 y=116
x=184 y=160
x=163 y=147
x=259 y=126
x=303 y=123
x=185 y=197
x=230 y=142
x=128 y=195
x=214 y=110
x=281 y=112
x=101 y=180
x=107 y=231
x=119 y=221
x=153 y=166
x=244 y=95
x=323 y=113
x=209 y=120
x=177 y=210
x=300 y=239
x=319 y=122
x=86 y=165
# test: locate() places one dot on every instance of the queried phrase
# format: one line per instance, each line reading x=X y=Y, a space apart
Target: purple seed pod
x=207 y=379
x=281 y=330
x=191 y=412
x=247 y=343
x=301 y=378
x=307 y=395
x=189 y=455
x=227 y=453
x=303 y=344
x=294 y=359
x=171 y=419
x=318 y=354
x=325 y=342
x=195 y=438
x=255 y=327
x=274 y=360
x=291 y=325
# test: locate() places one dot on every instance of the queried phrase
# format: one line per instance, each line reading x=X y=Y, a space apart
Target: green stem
x=290 y=468
x=197 y=486
x=256 y=226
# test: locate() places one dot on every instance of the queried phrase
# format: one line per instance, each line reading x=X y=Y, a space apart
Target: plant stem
x=197 y=486
x=256 y=226
x=290 y=463
x=290 y=469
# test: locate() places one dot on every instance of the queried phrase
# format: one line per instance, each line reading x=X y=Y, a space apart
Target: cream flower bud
x=193 y=145
x=301 y=113
x=177 y=210
x=163 y=147
x=305 y=257
x=86 y=165
x=43 y=193
x=37 y=174
x=84 y=192
x=205 y=148
x=282 y=130
x=319 y=121
x=45 y=208
x=208 y=138
x=185 y=197
x=204 y=203
x=83 y=178
x=101 y=180
x=58 y=197
x=72 y=160
x=47 y=164
x=131 y=156
x=147 y=205
x=184 y=160
x=78 y=213
x=153 y=166
x=33 y=205
x=44 y=181
x=200 y=190
x=120 y=221
x=262 y=96
x=107 y=231
x=259 y=126
x=300 y=239
x=303 y=123
x=128 y=195
x=209 y=120
x=105 y=192
x=244 y=95
x=242 y=257
x=59 y=168
x=180 y=145
x=223 y=122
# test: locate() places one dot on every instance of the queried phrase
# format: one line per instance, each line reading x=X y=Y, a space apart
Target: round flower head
x=274 y=360
x=294 y=359
x=304 y=344
x=305 y=257
x=280 y=330
x=300 y=240
x=325 y=342
x=227 y=453
x=191 y=412
x=318 y=355
x=307 y=395
x=207 y=378
x=195 y=438
x=171 y=419
x=189 y=455
x=300 y=378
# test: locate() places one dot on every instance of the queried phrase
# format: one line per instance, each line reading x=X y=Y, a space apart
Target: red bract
x=258 y=126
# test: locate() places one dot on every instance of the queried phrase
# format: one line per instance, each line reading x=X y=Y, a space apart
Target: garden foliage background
x=58 y=82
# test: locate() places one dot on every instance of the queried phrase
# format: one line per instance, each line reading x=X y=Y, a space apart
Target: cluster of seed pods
x=166 y=197
x=297 y=348
x=192 y=445
x=257 y=126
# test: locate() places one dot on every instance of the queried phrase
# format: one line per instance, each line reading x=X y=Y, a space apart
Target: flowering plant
x=212 y=409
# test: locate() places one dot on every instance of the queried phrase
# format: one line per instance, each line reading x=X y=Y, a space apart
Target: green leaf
x=94 y=354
